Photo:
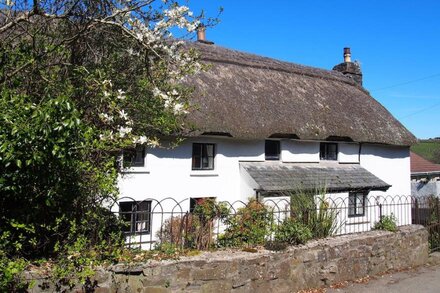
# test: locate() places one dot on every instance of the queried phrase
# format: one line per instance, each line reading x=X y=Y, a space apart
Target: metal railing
x=150 y=222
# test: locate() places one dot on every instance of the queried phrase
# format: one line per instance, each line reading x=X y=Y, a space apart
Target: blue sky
x=396 y=42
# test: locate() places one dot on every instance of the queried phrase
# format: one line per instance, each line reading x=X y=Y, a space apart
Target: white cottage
x=264 y=126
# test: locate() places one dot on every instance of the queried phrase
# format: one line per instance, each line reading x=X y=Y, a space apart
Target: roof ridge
x=324 y=74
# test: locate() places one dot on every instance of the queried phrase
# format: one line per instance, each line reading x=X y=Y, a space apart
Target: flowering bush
x=79 y=82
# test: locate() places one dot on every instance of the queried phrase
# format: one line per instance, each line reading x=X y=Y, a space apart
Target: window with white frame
x=134 y=157
x=356 y=204
x=136 y=216
x=203 y=155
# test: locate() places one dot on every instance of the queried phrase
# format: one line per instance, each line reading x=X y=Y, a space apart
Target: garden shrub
x=194 y=230
x=175 y=230
x=11 y=274
x=387 y=223
x=250 y=226
x=292 y=232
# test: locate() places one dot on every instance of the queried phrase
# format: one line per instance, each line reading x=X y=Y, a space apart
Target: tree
x=80 y=80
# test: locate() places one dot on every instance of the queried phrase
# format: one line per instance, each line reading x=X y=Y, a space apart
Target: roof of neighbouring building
x=277 y=176
x=421 y=165
x=252 y=97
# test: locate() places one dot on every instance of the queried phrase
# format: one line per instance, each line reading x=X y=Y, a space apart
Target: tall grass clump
x=312 y=209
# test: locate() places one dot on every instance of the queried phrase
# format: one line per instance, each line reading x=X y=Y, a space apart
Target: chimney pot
x=201 y=33
x=350 y=69
x=347 y=55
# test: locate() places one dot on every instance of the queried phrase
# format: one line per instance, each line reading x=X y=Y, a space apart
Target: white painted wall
x=294 y=151
x=348 y=153
x=389 y=163
x=167 y=172
x=170 y=175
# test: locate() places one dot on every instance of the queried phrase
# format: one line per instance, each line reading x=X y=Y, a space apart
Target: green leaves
x=74 y=92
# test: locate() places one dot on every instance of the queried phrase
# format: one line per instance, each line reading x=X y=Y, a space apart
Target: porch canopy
x=272 y=177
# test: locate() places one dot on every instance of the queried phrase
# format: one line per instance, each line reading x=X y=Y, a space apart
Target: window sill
x=361 y=222
x=203 y=173
x=135 y=170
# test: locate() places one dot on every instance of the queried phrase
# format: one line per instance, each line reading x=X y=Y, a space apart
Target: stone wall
x=315 y=264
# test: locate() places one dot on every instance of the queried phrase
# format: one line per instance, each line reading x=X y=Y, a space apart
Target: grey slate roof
x=278 y=176
x=252 y=97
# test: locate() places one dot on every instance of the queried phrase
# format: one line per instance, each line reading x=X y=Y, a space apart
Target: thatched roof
x=252 y=97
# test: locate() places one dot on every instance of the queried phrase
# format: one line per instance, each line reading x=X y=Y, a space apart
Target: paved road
x=421 y=280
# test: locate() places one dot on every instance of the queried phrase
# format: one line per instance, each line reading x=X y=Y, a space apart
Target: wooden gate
x=426 y=211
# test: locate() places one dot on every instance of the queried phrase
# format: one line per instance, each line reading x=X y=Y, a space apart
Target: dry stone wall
x=318 y=263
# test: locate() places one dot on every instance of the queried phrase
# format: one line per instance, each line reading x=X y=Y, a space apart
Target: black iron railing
x=150 y=222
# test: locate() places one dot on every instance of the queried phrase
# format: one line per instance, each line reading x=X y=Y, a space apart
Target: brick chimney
x=201 y=35
x=350 y=69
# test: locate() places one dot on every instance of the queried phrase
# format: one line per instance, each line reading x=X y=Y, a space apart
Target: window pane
x=205 y=162
x=272 y=149
x=322 y=151
x=134 y=157
x=197 y=149
x=360 y=204
x=125 y=212
x=203 y=156
x=210 y=150
x=196 y=156
x=139 y=157
x=351 y=205
x=143 y=216
x=328 y=151
x=128 y=156
x=197 y=162
x=356 y=204
x=210 y=163
x=332 y=151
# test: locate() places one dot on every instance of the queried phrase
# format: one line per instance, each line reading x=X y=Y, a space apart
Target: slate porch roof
x=278 y=176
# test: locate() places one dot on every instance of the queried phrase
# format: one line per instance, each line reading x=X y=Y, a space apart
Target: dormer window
x=272 y=150
x=328 y=151
x=134 y=157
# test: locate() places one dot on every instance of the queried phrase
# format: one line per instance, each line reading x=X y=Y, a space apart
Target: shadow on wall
x=385 y=151
x=223 y=147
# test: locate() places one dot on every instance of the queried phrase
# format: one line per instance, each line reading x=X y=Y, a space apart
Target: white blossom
x=105 y=117
x=107 y=82
x=140 y=140
x=123 y=131
x=123 y=115
x=179 y=109
x=121 y=95
x=153 y=142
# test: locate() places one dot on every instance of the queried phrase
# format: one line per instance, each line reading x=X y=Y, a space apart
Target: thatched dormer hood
x=252 y=97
